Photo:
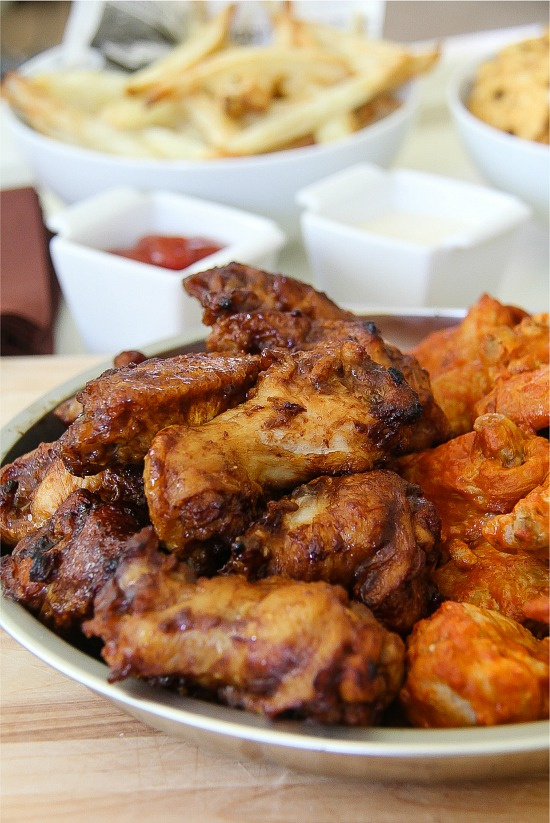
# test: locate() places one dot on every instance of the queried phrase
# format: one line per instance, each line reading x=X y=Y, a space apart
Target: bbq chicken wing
x=69 y=409
x=238 y=288
x=293 y=331
x=57 y=570
x=372 y=533
x=274 y=647
x=328 y=411
x=492 y=344
x=470 y=666
x=34 y=485
x=124 y=408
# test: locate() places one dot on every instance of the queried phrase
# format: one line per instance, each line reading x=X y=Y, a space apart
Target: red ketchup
x=169 y=252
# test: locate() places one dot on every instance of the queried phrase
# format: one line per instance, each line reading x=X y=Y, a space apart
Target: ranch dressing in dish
x=413 y=227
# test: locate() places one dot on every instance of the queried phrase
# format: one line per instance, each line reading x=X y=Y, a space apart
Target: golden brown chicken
x=328 y=411
x=478 y=475
x=470 y=666
x=124 y=408
x=372 y=533
x=35 y=484
x=69 y=409
x=251 y=310
x=237 y=288
x=275 y=647
x=57 y=570
x=253 y=332
x=493 y=343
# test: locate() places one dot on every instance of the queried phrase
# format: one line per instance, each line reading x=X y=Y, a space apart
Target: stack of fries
x=211 y=98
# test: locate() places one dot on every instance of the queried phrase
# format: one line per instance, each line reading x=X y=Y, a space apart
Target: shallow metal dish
x=388 y=754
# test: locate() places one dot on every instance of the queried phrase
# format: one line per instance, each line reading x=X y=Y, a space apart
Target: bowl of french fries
x=245 y=125
x=501 y=109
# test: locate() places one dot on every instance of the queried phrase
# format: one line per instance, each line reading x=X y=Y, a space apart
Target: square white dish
x=118 y=303
x=405 y=239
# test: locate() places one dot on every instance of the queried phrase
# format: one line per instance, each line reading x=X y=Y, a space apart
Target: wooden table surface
x=69 y=755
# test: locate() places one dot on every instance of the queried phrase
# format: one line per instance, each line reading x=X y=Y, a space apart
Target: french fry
x=210 y=120
x=290 y=121
x=65 y=123
x=132 y=113
x=211 y=97
x=102 y=87
x=268 y=62
x=207 y=39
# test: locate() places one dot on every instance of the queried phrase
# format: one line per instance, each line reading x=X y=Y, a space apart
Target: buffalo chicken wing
x=470 y=666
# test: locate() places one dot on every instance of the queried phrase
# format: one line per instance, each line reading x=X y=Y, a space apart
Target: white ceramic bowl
x=264 y=184
x=118 y=303
x=407 y=239
x=511 y=164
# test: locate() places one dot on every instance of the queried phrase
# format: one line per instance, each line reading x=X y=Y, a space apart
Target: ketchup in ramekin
x=168 y=251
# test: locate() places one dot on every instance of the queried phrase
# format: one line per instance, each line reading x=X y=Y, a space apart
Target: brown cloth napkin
x=29 y=292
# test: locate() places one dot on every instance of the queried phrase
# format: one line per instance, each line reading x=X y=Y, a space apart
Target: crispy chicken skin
x=124 y=408
x=478 y=475
x=294 y=331
x=328 y=411
x=492 y=344
x=69 y=409
x=238 y=288
x=34 y=485
x=470 y=666
x=274 y=646
x=526 y=527
x=57 y=570
x=372 y=533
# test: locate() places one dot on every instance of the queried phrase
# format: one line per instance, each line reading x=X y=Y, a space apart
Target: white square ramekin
x=118 y=303
x=356 y=264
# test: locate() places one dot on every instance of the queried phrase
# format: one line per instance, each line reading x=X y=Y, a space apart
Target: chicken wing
x=493 y=342
x=275 y=647
x=372 y=533
x=478 y=475
x=238 y=288
x=487 y=577
x=328 y=411
x=254 y=332
x=124 y=408
x=526 y=528
x=57 y=570
x=523 y=397
x=470 y=666
x=34 y=485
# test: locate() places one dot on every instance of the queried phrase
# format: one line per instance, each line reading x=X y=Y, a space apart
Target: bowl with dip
x=407 y=239
x=120 y=258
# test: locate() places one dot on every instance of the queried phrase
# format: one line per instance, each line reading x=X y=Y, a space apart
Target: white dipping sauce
x=424 y=229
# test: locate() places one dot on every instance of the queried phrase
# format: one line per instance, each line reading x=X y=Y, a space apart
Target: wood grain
x=69 y=755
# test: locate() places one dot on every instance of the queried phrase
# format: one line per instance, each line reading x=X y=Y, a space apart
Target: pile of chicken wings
x=302 y=520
